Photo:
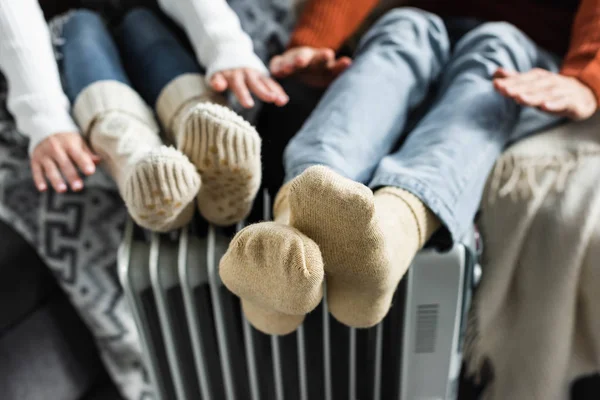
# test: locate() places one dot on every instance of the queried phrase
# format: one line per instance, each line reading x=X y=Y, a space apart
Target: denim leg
x=361 y=117
x=152 y=54
x=88 y=53
x=446 y=159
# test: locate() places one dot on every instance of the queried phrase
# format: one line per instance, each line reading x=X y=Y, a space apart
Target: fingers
x=530 y=88
x=276 y=66
x=258 y=87
x=58 y=157
x=556 y=105
x=549 y=92
x=69 y=171
x=219 y=82
x=529 y=81
x=285 y=64
x=304 y=56
x=323 y=57
x=535 y=96
x=301 y=58
x=340 y=65
x=281 y=98
x=83 y=159
x=95 y=159
x=504 y=73
x=266 y=88
x=51 y=171
x=244 y=81
x=565 y=106
x=237 y=84
x=38 y=176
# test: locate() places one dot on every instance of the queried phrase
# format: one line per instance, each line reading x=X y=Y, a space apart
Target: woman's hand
x=315 y=67
x=242 y=81
x=57 y=156
x=548 y=91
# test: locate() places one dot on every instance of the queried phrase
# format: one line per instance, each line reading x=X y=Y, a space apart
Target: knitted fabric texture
x=276 y=271
x=363 y=244
x=157 y=183
x=367 y=241
x=535 y=320
x=224 y=147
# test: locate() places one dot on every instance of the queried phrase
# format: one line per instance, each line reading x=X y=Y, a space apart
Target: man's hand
x=548 y=91
x=56 y=156
x=315 y=67
x=242 y=81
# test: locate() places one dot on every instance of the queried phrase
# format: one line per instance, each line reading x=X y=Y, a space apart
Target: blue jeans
x=150 y=55
x=378 y=125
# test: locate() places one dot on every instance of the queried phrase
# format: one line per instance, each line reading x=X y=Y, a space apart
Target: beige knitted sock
x=157 y=183
x=367 y=241
x=276 y=271
x=223 y=146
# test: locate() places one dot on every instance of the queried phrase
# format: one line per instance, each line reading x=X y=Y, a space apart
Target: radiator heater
x=198 y=345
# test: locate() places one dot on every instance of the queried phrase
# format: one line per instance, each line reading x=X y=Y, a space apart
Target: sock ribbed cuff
x=102 y=97
x=427 y=222
x=181 y=91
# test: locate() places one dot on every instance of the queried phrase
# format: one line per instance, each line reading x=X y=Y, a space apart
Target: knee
x=85 y=27
x=497 y=36
x=498 y=31
x=86 y=22
x=400 y=25
x=500 y=42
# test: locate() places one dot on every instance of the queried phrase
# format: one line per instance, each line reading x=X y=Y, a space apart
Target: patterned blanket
x=77 y=234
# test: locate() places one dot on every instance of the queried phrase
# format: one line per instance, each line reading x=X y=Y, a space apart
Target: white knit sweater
x=35 y=95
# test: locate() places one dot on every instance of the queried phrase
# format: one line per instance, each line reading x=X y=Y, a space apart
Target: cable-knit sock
x=367 y=241
x=157 y=183
x=221 y=144
x=276 y=271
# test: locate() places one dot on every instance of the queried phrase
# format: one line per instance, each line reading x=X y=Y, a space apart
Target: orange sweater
x=329 y=23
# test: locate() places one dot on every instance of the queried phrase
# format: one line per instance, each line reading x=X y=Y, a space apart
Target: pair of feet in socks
x=326 y=226
x=216 y=161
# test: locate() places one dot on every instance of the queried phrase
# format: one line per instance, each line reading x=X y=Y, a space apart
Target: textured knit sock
x=157 y=183
x=221 y=144
x=276 y=271
x=367 y=241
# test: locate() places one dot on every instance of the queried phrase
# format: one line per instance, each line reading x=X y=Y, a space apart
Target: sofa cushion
x=25 y=282
x=50 y=355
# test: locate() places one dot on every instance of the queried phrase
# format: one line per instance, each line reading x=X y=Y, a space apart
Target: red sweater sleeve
x=583 y=58
x=329 y=23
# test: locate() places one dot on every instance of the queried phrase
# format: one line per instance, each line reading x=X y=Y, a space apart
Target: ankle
x=181 y=93
x=400 y=204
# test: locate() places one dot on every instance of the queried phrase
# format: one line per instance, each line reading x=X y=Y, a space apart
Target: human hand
x=315 y=67
x=56 y=156
x=242 y=81
x=548 y=91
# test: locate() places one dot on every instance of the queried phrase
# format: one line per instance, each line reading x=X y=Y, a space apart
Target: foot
x=278 y=274
x=226 y=151
x=160 y=189
x=366 y=249
x=157 y=183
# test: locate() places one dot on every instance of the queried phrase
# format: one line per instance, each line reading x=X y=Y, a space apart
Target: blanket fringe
x=519 y=176
x=473 y=358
